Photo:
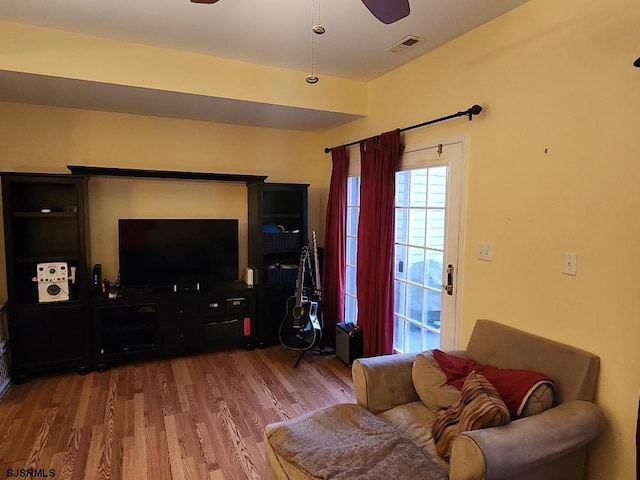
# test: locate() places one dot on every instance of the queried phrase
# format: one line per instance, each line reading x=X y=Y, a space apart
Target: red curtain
x=380 y=158
x=335 y=244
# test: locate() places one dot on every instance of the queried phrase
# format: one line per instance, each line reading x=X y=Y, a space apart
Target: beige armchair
x=547 y=445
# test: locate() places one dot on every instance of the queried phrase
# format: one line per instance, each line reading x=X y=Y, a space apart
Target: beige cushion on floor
x=415 y=422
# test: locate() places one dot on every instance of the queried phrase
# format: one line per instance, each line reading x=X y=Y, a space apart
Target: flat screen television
x=155 y=253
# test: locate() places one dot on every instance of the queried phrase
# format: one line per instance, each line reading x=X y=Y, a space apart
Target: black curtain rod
x=470 y=112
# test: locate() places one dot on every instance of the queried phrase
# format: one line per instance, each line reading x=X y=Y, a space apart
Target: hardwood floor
x=199 y=417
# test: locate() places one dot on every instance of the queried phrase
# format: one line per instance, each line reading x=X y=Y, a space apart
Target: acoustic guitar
x=317 y=293
x=316 y=265
x=300 y=329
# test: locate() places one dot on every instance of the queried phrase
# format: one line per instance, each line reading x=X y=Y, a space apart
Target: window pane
x=437 y=189
x=398 y=333
x=352 y=221
x=414 y=302
x=399 y=297
x=352 y=243
x=351 y=309
x=417 y=224
x=353 y=191
x=401 y=262
x=430 y=340
x=402 y=188
x=433 y=301
x=418 y=197
x=350 y=286
x=415 y=264
x=435 y=228
x=401 y=225
x=413 y=339
x=434 y=273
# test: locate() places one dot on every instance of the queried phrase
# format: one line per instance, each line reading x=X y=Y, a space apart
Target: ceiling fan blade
x=388 y=11
x=209 y=2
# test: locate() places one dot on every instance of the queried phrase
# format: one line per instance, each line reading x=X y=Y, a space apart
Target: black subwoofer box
x=348 y=342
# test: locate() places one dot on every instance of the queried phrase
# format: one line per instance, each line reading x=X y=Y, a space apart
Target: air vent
x=406 y=42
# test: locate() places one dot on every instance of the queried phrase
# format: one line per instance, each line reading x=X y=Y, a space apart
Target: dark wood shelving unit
x=144 y=326
x=46 y=221
x=52 y=335
x=284 y=204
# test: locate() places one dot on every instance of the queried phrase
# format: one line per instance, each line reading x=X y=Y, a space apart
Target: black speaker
x=97 y=277
x=348 y=342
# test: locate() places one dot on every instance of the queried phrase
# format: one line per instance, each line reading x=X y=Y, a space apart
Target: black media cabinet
x=144 y=325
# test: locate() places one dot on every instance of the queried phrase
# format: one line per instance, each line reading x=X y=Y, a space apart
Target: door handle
x=449 y=286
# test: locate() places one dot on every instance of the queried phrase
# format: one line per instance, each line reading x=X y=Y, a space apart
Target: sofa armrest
x=384 y=382
x=524 y=444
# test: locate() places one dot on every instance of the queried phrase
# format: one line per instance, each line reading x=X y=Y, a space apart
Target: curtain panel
x=380 y=159
x=335 y=244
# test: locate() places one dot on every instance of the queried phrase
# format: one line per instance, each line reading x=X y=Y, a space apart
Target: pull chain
x=316 y=29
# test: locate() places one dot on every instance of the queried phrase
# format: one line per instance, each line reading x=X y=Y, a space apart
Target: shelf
x=43 y=215
x=47 y=259
x=282 y=215
x=35 y=306
x=168 y=174
x=127 y=329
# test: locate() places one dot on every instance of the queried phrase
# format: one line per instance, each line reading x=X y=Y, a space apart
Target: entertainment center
x=178 y=291
x=141 y=326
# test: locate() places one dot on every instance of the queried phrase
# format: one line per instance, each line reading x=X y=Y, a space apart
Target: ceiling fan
x=387 y=11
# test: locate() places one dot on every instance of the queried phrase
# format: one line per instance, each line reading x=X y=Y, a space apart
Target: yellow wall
x=47 y=139
x=553 y=167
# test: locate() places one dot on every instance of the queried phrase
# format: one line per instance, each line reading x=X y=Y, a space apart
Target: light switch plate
x=485 y=252
x=570 y=264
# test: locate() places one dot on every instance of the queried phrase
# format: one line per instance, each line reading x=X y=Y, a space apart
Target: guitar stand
x=320 y=350
x=295 y=365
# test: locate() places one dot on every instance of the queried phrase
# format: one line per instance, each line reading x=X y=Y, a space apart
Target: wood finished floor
x=198 y=417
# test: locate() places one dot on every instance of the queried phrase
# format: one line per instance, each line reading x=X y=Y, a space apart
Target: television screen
x=162 y=252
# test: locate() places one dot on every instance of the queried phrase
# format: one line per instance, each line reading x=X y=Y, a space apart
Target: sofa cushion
x=516 y=387
x=414 y=421
x=431 y=384
x=538 y=400
x=479 y=406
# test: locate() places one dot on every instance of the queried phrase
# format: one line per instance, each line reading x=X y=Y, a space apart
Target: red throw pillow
x=514 y=386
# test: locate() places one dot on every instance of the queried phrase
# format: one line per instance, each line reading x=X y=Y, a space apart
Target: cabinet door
x=46 y=338
x=273 y=310
x=278 y=227
x=181 y=327
x=125 y=328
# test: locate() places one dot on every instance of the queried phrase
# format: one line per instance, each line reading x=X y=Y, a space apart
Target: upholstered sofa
x=548 y=444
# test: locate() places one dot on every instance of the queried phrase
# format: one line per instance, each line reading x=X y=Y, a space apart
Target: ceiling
x=273 y=33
